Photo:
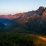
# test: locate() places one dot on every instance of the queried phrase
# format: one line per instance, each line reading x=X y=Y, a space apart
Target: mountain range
x=34 y=21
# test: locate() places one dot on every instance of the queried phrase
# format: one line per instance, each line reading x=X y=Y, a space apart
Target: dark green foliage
x=15 y=39
x=19 y=39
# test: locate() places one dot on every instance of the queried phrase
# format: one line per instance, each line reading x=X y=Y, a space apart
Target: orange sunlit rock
x=44 y=14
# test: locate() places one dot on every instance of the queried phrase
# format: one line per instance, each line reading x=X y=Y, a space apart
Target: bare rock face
x=44 y=14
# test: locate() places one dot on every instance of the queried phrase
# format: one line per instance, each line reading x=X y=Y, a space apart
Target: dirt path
x=42 y=38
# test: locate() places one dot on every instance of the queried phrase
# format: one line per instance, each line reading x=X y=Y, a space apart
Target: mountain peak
x=41 y=8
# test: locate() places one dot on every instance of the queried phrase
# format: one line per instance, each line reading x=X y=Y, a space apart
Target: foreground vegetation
x=20 y=39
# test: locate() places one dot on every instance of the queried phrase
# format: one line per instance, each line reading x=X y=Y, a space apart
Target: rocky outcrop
x=44 y=14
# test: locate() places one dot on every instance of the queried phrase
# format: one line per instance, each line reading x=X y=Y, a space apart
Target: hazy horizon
x=17 y=6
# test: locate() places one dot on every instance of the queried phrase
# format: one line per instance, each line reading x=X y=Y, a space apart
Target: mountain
x=34 y=21
x=10 y=17
x=40 y=11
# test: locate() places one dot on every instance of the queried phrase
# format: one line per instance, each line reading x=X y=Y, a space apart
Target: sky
x=17 y=6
